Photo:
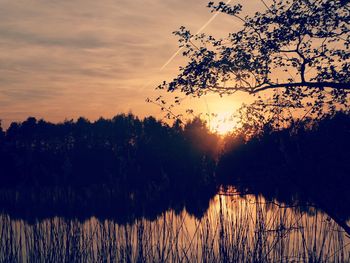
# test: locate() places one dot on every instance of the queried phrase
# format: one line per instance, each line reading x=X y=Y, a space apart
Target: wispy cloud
x=63 y=58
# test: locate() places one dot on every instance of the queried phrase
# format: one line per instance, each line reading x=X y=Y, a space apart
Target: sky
x=61 y=59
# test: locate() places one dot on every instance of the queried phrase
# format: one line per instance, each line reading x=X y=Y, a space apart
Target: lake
x=234 y=228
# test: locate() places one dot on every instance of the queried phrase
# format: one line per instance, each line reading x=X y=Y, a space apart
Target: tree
x=2 y=133
x=299 y=49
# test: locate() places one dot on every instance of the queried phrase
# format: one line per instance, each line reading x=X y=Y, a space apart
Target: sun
x=222 y=123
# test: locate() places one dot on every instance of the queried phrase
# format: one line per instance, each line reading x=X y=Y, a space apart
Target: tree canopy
x=297 y=48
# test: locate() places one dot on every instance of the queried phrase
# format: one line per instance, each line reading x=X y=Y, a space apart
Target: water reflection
x=233 y=229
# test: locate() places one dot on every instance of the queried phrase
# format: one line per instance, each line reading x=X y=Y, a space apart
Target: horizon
x=222 y=125
x=62 y=60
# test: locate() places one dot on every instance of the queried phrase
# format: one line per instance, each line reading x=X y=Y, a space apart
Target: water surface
x=234 y=229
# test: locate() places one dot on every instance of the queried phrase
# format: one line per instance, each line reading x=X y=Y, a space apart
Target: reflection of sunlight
x=237 y=225
x=222 y=123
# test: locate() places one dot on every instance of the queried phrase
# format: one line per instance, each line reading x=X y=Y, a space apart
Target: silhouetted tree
x=130 y=167
x=2 y=133
x=122 y=162
x=307 y=163
x=298 y=49
x=197 y=133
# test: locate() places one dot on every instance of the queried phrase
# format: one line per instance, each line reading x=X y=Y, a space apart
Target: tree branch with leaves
x=298 y=47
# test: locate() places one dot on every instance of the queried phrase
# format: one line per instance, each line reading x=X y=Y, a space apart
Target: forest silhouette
x=125 y=168
x=107 y=166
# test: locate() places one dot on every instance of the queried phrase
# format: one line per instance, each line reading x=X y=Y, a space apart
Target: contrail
x=200 y=30
x=171 y=58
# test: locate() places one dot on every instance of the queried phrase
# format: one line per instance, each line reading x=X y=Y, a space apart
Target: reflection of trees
x=308 y=165
x=136 y=163
x=233 y=230
x=127 y=168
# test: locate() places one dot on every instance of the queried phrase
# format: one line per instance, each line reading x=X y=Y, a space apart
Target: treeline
x=307 y=162
x=131 y=167
x=123 y=158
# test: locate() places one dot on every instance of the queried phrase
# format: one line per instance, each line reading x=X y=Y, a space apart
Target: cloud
x=59 y=58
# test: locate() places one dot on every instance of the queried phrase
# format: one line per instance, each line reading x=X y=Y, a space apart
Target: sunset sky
x=61 y=59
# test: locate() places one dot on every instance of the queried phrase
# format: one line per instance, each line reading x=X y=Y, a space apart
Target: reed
x=234 y=229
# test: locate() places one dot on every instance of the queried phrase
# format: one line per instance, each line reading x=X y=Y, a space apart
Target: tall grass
x=234 y=229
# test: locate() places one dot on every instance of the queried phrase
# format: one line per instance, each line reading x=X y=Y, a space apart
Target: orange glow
x=222 y=123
